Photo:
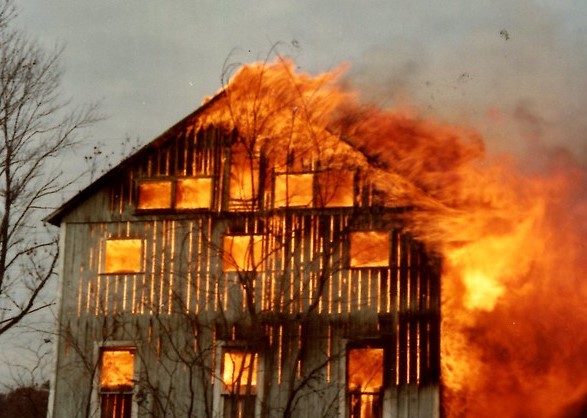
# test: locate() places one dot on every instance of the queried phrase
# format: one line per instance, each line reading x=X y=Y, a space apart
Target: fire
x=366 y=369
x=239 y=371
x=243 y=177
x=123 y=256
x=154 y=195
x=512 y=240
x=293 y=190
x=117 y=369
x=486 y=264
x=193 y=193
x=241 y=253
x=522 y=340
x=365 y=380
x=369 y=249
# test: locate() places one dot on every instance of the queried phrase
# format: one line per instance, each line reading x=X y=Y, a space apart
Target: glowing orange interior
x=193 y=193
x=512 y=241
x=336 y=189
x=294 y=190
x=365 y=369
x=365 y=380
x=242 y=252
x=123 y=256
x=117 y=369
x=369 y=249
x=244 y=176
x=154 y=195
x=239 y=371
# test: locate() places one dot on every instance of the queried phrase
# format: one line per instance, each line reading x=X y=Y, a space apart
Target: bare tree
x=28 y=401
x=248 y=307
x=36 y=129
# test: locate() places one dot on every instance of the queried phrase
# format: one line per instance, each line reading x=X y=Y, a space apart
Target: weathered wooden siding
x=307 y=298
x=183 y=269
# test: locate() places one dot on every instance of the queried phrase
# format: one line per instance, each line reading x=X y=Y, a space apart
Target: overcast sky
x=152 y=62
x=511 y=68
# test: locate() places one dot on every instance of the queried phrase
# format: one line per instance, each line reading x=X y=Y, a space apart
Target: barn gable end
x=206 y=276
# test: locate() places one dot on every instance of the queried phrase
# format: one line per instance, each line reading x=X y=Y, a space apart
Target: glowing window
x=242 y=252
x=336 y=189
x=193 y=193
x=243 y=183
x=123 y=256
x=116 y=383
x=294 y=190
x=239 y=375
x=365 y=382
x=117 y=369
x=369 y=249
x=244 y=176
x=239 y=371
x=154 y=195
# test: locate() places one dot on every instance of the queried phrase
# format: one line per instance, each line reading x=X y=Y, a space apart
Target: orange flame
x=365 y=369
x=239 y=371
x=365 y=377
x=117 y=370
x=123 y=256
x=513 y=303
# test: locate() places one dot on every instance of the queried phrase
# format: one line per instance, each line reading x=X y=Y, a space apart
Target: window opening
x=369 y=249
x=182 y=194
x=193 y=193
x=154 y=195
x=294 y=190
x=116 y=383
x=335 y=189
x=242 y=253
x=244 y=178
x=239 y=377
x=123 y=256
x=365 y=382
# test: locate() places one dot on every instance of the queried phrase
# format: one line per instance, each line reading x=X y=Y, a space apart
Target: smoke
x=514 y=70
x=513 y=245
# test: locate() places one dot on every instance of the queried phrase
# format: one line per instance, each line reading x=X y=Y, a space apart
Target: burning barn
x=252 y=261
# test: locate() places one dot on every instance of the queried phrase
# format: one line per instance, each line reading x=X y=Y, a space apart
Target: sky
x=150 y=63
x=514 y=70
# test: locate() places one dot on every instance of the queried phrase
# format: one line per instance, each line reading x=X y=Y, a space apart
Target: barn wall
x=306 y=303
x=183 y=270
x=183 y=288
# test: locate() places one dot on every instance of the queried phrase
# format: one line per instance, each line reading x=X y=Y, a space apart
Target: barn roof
x=57 y=216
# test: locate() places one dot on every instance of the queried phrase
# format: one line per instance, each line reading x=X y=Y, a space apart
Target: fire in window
x=193 y=193
x=294 y=190
x=335 y=189
x=154 y=195
x=244 y=177
x=183 y=193
x=242 y=253
x=116 y=382
x=365 y=382
x=369 y=249
x=239 y=377
x=123 y=256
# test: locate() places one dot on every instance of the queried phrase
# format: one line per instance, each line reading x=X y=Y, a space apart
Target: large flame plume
x=512 y=242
